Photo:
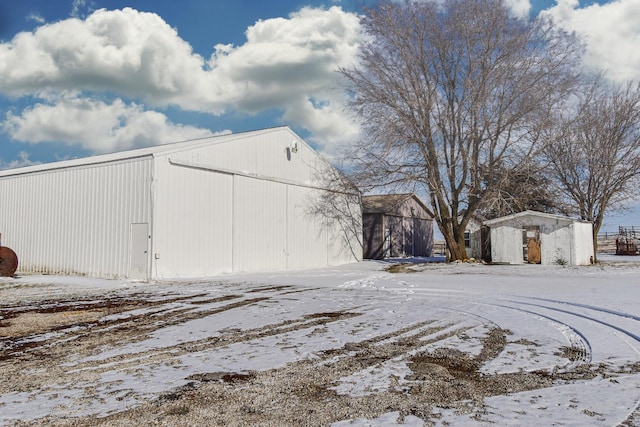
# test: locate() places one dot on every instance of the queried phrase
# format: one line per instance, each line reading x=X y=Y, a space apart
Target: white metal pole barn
x=238 y=202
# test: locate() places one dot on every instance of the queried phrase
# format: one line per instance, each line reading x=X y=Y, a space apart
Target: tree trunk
x=596 y=229
x=455 y=246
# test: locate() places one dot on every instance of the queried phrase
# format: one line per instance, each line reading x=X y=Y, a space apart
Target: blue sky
x=82 y=77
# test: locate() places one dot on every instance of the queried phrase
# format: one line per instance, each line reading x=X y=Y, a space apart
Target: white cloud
x=519 y=8
x=22 y=161
x=36 y=18
x=96 y=126
x=137 y=55
x=81 y=8
x=328 y=120
x=125 y=51
x=610 y=31
x=286 y=60
x=286 y=63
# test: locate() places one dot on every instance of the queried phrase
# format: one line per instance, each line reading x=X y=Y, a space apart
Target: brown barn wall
x=410 y=232
x=372 y=234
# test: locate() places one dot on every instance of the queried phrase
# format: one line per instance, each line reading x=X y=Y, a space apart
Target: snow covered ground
x=559 y=320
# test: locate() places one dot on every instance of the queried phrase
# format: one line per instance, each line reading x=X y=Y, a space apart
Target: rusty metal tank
x=8 y=261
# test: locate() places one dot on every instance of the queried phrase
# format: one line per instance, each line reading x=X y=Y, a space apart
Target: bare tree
x=446 y=91
x=337 y=206
x=595 y=157
x=519 y=189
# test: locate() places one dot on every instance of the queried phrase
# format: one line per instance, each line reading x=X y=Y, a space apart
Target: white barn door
x=139 y=252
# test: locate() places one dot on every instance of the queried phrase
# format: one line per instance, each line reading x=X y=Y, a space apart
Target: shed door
x=139 y=252
x=531 y=244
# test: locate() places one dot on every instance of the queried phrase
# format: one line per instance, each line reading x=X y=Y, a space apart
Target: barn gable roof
x=530 y=213
x=155 y=150
x=388 y=203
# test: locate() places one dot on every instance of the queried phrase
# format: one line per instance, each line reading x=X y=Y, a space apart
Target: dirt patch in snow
x=303 y=393
x=57 y=339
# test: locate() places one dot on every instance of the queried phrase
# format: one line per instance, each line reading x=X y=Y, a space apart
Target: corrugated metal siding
x=272 y=199
x=583 y=243
x=249 y=214
x=373 y=235
x=193 y=221
x=278 y=226
x=307 y=236
x=263 y=154
x=422 y=237
x=403 y=229
x=398 y=236
x=560 y=241
x=555 y=241
x=345 y=233
x=260 y=225
x=75 y=220
x=506 y=245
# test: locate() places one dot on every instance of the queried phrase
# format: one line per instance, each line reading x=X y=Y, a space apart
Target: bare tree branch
x=595 y=155
x=447 y=93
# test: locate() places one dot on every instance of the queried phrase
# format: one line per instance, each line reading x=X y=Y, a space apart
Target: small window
x=467 y=239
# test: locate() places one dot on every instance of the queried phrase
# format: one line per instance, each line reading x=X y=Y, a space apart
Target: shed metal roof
x=386 y=203
x=532 y=214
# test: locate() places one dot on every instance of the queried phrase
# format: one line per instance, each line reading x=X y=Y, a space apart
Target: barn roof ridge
x=384 y=202
x=529 y=212
x=175 y=146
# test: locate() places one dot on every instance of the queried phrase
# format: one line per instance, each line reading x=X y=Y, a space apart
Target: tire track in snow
x=574 y=337
x=590 y=307
x=125 y=328
x=631 y=335
x=632 y=340
x=605 y=325
x=592 y=332
x=578 y=350
x=590 y=335
x=619 y=323
x=136 y=322
x=211 y=343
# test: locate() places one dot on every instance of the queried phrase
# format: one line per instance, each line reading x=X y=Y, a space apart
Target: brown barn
x=396 y=225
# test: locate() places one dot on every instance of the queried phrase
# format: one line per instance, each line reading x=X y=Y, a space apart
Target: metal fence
x=632 y=231
x=608 y=235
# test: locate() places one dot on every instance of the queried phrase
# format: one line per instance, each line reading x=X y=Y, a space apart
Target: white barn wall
x=345 y=234
x=77 y=219
x=342 y=246
x=273 y=189
x=210 y=206
x=307 y=241
x=583 y=242
x=192 y=221
x=261 y=154
x=510 y=248
x=260 y=225
x=555 y=234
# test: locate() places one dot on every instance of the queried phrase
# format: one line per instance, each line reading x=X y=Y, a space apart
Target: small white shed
x=238 y=202
x=559 y=239
x=473 y=238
